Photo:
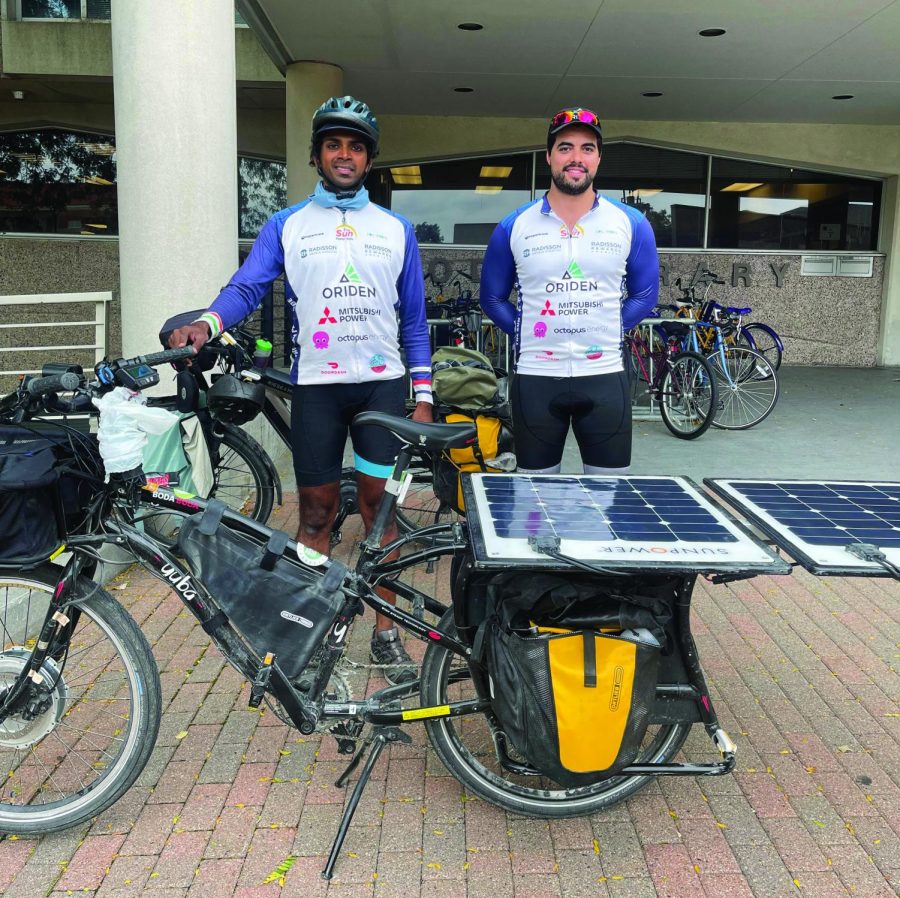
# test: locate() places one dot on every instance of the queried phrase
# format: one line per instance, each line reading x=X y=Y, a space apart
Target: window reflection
x=758 y=206
x=57 y=182
x=262 y=191
x=460 y=201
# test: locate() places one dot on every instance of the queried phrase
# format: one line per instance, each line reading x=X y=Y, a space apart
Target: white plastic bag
x=125 y=421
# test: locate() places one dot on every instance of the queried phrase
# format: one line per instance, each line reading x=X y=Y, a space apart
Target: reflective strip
x=423 y=713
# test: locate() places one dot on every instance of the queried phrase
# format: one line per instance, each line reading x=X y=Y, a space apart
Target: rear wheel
x=688 y=396
x=98 y=709
x=747 y=384
x=765 y=341
x=466 y=748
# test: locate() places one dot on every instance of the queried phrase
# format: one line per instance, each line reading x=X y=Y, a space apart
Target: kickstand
x=374 y=745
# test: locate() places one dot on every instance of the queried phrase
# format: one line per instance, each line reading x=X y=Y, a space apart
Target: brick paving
x=803 y=674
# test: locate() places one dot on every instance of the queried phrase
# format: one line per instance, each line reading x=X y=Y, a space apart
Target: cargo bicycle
x=80 y=694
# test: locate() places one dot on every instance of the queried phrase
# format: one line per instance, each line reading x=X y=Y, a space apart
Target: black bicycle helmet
x=345 y=114
x=235 y=401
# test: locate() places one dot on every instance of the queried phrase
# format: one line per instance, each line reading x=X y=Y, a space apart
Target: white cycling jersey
x=576 y=289
x=348 y=274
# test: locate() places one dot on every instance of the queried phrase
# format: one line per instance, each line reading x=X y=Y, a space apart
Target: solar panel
x=816 y=520
x=632 y=523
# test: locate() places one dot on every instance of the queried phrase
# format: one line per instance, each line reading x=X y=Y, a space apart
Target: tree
x=428 y=233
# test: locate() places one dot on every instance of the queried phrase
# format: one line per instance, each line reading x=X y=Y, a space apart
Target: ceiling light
x=643 y=192
x=495 y=171
x=741 y=186
x=96 y=179
x=844 y=97
x=859 y=203
x=470 y=26
x=18 y=94
x=711 y=32
x=102 y=227
x=407 y=179
x=652 y=93
x=464 y=90
x=488 y=188
x=406 y=170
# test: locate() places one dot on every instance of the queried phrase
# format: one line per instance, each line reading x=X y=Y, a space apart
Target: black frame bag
x=278 y=604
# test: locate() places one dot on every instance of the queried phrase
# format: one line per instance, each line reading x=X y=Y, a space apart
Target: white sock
x=620 y=472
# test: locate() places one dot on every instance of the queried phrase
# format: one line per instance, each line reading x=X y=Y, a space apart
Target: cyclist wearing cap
x=584 y=268
x=350 y=268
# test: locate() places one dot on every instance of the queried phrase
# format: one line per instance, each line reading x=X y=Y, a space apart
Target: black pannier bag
x=31 y=523
x=572 y=674
x=277 y=604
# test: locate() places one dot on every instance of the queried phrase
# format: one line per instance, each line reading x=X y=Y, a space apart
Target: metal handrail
x=100 y=301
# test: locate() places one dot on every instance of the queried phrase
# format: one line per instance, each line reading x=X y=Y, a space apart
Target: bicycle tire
x=765 y=340
x=465 y=748
x=107 y=661
x=244 y=478
x=688 y=396
x=748 y=387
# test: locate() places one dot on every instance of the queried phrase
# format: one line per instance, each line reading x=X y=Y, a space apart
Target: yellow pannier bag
x=574 y=703
x=490 y=452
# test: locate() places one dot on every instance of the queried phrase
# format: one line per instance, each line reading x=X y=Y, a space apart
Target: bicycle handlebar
x=157 y=358
x=67 y=381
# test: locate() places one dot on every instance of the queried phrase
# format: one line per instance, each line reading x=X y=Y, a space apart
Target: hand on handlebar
x=197 y=334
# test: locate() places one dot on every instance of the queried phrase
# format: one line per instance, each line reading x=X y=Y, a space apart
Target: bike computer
x=137 y=377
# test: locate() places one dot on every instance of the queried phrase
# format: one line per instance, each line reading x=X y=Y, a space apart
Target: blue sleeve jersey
x=576 y=290
x=349 y=276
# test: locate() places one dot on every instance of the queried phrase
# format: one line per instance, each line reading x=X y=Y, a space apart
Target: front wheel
x=748 y=387
x=98 y=708
x=688 y=396
x=466 y=749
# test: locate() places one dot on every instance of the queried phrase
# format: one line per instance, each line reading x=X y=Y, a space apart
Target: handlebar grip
x=158 y=358
x=68 y=380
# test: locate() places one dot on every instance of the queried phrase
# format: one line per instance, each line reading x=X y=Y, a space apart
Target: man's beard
x=564 y=186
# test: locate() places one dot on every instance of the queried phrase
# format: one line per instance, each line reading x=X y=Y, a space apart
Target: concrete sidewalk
x=802 y=673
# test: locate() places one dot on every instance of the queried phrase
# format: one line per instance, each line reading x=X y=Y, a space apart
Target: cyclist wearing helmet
x=351 y=268
x=584 y=268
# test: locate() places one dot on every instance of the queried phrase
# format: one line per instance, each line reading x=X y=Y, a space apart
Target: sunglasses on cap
x=574 y=117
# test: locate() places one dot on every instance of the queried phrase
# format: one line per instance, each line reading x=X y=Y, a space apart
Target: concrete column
x=889 y=342
x=176 y=149
x=308 y=86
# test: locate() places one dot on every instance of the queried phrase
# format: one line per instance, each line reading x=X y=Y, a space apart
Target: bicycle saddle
x=422 y=436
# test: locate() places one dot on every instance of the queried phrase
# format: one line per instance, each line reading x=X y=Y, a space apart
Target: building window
x=669 y=187
x=57 y=182
x=758 y=206
x=64 y=182
x=65 y=9
x=460 y=201
x=262 y=191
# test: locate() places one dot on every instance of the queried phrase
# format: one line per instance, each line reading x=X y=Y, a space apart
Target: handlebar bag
x=575 y=704
x=276 y=603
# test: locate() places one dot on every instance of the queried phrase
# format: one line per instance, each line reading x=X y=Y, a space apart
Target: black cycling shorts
x=321 y=417
x=598 y=407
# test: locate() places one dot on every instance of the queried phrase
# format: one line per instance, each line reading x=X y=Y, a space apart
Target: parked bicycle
x=681 y=382
x=79 y=690
x=735 y=331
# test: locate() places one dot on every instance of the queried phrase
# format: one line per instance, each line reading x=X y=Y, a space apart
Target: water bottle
x=262 y=354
